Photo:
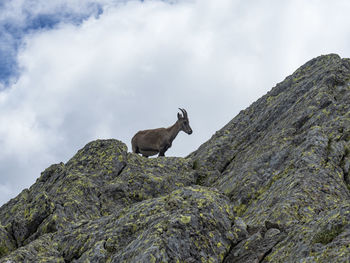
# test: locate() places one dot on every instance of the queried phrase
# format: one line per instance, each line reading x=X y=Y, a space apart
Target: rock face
x=271 y=186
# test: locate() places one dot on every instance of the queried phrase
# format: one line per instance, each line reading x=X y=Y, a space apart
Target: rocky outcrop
x=285 y=159
x=270 y=186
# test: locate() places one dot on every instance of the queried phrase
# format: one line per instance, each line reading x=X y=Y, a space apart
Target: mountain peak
x=271 y=185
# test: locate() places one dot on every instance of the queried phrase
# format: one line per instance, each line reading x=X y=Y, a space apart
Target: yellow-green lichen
x=240 y=209
x=185 y=219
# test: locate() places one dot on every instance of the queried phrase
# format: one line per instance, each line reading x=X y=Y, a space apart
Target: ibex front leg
x=163 y=149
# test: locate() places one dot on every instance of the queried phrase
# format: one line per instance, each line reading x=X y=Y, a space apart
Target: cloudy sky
x=72 y=71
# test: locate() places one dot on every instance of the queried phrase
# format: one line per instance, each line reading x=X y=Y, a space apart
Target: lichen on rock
x=271 y=186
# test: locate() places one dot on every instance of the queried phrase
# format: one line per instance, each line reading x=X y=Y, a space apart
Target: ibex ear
x=179 y=116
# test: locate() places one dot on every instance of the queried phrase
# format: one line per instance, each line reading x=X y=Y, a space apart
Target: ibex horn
x=184 y=112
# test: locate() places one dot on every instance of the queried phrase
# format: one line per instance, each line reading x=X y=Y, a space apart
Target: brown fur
x=151 y=142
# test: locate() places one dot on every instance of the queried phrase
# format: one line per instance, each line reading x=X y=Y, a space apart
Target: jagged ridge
x=272 y=185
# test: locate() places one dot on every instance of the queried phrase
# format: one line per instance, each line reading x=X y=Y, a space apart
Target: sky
x=73 y=71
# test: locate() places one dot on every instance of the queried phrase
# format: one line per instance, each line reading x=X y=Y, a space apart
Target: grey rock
x=271 y=186
x=271 y=233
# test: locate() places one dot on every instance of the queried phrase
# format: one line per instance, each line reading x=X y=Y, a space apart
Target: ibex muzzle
x=151 y=142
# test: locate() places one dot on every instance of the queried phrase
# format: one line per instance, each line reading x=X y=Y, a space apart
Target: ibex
x=151 y=142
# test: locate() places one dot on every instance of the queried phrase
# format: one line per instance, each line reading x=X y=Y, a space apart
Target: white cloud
x=133 y=66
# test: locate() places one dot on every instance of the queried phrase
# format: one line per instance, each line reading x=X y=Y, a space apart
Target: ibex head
x=184 y=121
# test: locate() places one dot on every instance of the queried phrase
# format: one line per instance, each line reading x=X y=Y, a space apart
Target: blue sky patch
x=12 y=33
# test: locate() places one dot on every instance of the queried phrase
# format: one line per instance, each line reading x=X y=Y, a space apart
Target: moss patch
x=326 y=236
x=3 y=251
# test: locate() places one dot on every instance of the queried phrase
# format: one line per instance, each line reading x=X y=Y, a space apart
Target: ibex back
x=151 y=142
